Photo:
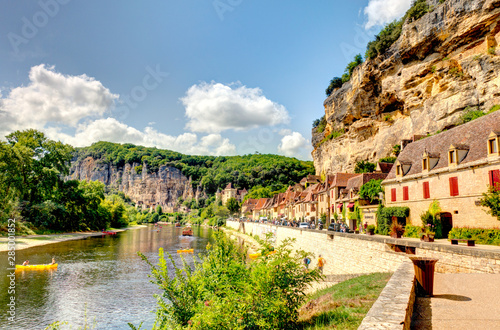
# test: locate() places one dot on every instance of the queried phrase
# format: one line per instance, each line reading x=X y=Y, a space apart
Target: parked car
x=304 y=225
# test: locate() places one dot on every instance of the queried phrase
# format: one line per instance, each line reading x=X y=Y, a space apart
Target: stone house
x=455 y=168
x=337 y=186
x=231 y=192
x=248 y=207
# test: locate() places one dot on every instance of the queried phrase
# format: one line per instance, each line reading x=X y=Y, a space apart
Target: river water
x=101 y=279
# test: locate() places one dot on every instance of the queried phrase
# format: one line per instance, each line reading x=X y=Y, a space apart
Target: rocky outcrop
x=147 y=190
x=444 y=62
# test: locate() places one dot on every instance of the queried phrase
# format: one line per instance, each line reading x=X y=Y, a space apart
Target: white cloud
x=381 y=12
x=110 y=129
x=72 y=109
x=285 y=131
x=214 y=107
x=293 y=145
x=51 y=97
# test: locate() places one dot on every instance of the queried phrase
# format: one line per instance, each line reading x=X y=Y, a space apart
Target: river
x=101 y=279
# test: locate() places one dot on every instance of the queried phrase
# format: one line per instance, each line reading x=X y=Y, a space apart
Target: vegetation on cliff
x=211 y=172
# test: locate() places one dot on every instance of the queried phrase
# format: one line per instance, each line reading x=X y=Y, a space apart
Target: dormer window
x=457 y=153
x=429 y=161
x=402 y=168
x=493 y=144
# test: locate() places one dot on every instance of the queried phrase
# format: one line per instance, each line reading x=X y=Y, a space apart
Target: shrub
x=371 y=190
x=391 y=160
x=492 y=50
x=364 y=167
x=389 y=34
x=491 y=200
x=320 y=127
x=494 y=108
x=224 y=292
x=358 y=59
x=412 y=231
x=470 y=114
x=385 y=214
x=336 y=82
x=489 y=236
x=418 y=9
x=396 y=149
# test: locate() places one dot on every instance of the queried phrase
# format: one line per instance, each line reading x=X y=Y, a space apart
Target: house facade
x=455 y=168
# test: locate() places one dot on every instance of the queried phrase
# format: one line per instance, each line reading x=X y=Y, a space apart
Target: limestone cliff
x=442 y=63
x=163 y=187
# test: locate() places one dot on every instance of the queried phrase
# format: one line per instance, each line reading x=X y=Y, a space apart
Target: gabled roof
x=473 y=135
x=229 y=186
x=261 y=203
x=356 y=182
x=341 y=179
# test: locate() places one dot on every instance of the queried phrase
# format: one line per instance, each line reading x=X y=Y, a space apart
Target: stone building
x=231 y=192
x=455 y=168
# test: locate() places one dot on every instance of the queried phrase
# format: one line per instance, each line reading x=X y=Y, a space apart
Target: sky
x=204 y=77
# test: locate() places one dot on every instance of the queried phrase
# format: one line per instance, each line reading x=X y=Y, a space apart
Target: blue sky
x=219 y=77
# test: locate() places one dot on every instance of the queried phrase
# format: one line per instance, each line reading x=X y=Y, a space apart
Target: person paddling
x=53 y=261
x=26 y=263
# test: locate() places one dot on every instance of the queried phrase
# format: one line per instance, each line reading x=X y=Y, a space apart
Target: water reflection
x=100 y=276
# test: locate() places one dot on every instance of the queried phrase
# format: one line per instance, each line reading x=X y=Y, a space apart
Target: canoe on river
x=185 y=251
x=36 y=267
x=187 y=231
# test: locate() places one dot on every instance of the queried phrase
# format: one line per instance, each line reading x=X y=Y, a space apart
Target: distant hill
x=209 y=172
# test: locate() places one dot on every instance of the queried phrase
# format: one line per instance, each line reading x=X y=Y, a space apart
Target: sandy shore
x=30 y=241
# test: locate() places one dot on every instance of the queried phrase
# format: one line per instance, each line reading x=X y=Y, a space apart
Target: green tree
x=233 y=205
x=364 y=167
x=371 y=190
x=335 y=83
x=491 y=200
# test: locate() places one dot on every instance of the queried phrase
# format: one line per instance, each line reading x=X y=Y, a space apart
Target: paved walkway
x=460 y=301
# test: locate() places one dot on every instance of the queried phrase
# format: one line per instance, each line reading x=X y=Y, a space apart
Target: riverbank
x=29 y=241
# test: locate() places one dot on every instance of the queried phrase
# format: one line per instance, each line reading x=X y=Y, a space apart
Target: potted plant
x=396 y=230
x=370 y=230
x=429 y=233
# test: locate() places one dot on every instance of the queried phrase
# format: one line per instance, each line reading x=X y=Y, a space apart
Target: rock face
x=147 y=190
x=443 y=63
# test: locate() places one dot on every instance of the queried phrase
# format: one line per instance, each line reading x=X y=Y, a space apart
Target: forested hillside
x=212 y=172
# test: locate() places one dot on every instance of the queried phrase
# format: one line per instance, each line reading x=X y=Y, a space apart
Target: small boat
x=109 y=232
x=177 y=224
x=187 y=231
x=36 y=267
x=186 y=251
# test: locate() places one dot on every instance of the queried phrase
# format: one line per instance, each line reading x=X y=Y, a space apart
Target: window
x=393 y=194
x=495 y=179
x=454 y=186
x=427 y=193
x=398 y=170
x=405 y=193
x=452 y=157
x=492 y=146
x=424 y=164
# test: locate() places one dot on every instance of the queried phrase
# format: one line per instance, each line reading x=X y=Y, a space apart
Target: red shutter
x=393 y=194
x=495 y=178
x=454 y=186
x=405 y=193
x=427 y=193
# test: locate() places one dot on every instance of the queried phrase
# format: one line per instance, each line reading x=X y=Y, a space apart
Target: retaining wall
x=363 y=254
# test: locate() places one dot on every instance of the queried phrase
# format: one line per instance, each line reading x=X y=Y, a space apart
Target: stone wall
x=363 y=254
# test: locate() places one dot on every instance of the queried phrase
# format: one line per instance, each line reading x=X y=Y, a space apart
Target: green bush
x=470 y=114
x=371 y=190
x=388 y=160
x=412 y=231
x=223 y=291
x=385 y=214
x=482 y=236
x=336 y=82
x=418 y=9
x=364 y=167
x=494 y=108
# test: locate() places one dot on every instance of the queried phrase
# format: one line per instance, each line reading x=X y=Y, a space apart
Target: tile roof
x=341 y=179
x=384 y=167
x=473 y=135
x=357 y=181
x=260 y=204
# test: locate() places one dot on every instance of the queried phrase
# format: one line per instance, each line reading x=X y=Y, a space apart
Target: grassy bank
x=344 y=305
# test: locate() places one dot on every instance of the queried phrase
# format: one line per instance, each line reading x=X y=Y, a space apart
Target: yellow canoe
x=256 y=255
x=36 y=267
x=185 y=251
